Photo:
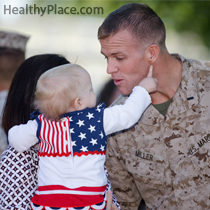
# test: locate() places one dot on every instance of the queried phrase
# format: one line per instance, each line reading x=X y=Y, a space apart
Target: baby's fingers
x=150 y=71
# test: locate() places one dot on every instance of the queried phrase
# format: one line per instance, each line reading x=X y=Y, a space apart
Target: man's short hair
x=139 y=19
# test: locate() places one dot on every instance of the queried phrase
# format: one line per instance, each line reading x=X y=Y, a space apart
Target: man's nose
x=111 y=68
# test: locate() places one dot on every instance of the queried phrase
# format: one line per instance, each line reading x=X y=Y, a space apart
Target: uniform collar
x=185 y=97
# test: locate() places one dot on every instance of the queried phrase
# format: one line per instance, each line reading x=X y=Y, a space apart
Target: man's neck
x=169 y=73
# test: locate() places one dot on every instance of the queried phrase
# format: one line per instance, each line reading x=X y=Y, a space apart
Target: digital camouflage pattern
x=166 y=160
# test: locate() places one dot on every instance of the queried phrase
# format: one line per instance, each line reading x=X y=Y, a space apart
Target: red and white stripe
x=55 y=137
x=57 y=196
x=59 y=189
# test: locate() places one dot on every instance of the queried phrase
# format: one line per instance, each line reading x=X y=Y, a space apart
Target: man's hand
x=110 y=205
x=149 y=83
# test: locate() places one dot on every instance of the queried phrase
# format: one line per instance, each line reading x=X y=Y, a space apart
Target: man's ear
x=77 y=104
x=152 y=53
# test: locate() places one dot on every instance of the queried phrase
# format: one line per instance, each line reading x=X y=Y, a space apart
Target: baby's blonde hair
x=57 y=88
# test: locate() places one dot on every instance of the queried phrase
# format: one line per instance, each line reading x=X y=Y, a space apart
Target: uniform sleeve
x=120 y=117
x=23 y=136
x=123 y=184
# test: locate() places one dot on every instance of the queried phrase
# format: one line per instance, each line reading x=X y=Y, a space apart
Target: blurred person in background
x=12 y=54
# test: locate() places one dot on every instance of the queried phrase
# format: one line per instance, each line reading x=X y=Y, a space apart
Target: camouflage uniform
x=166 y=160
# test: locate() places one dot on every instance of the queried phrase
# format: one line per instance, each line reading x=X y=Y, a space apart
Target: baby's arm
x=121 y=117
x=23 y=136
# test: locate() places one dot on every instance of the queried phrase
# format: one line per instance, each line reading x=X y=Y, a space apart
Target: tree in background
x=179 y=15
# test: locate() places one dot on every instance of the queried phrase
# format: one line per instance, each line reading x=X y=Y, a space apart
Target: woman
x=18 y=171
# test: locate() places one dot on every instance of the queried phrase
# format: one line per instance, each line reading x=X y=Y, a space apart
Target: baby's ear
x=77 y=104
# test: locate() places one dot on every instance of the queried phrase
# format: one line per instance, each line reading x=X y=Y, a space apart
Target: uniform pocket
x=146 y=164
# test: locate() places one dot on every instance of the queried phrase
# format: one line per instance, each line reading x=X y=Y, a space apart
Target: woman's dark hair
x=20 y=98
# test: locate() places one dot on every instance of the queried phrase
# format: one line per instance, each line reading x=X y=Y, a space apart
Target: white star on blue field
x=87 y=132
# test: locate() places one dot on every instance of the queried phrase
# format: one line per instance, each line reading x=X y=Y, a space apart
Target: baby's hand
x=149 y=83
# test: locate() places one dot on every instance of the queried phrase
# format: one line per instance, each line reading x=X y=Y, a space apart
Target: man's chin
x=124 y=92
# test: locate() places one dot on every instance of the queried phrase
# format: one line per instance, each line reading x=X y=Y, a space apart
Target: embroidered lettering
x=199 y=144
x=192 y=150
x=143 y=155
x=207 y=137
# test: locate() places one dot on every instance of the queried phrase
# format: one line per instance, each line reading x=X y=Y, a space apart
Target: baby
x=71 y=133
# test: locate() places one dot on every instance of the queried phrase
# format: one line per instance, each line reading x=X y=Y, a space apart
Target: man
x=165 y=157
x=12 y=54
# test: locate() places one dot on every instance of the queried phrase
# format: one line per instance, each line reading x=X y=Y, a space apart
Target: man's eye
x=119 y=58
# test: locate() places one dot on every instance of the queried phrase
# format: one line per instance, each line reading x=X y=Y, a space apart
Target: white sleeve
x=121 y=117
x=23 y=136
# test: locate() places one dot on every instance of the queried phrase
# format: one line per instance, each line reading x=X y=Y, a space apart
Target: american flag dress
x=71 y=166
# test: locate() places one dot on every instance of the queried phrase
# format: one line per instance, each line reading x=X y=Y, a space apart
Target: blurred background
x=75 y=35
